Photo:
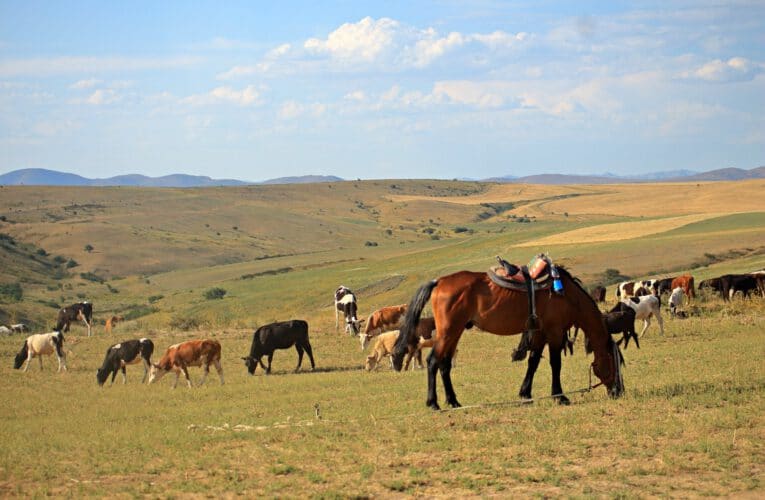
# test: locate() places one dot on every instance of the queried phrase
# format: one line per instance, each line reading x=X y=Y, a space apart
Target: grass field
x=691 y=422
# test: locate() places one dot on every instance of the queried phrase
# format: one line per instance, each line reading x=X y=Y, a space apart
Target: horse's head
x=608 y=368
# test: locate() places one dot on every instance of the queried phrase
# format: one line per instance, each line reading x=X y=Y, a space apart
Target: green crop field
x=692 y=421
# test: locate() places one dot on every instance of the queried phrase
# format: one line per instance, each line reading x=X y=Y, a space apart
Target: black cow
x=621 y=319
x=712 y=284
x=732 y=283
x=125 y=353
x=81 y=310
x=279 y=335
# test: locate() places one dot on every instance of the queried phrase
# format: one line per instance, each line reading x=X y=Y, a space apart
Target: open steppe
x=690 y=424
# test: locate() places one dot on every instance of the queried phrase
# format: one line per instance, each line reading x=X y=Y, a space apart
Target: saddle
x=539 y=272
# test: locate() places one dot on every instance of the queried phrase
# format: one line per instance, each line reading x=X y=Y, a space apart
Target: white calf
x=645 y=307
x=676 y=300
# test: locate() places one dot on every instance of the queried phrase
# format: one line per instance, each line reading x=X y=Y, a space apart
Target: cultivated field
x=691 y=422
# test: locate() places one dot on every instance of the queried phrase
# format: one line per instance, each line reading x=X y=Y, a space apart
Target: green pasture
x=691 y=422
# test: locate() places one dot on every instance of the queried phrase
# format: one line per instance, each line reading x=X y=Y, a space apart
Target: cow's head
x=251 y=364
x=371 y=362
x=156 y=372
x=101 y=376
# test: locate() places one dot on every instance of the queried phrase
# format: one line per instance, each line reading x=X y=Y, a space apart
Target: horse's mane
x=565 y=272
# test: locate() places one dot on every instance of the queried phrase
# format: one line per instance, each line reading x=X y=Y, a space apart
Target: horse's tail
x=408 y=331
x=20 y=357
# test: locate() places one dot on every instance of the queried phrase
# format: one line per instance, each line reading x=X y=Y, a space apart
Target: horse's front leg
x=432 y=401
x=446 y=376
x=534 y=358
x=555 y=365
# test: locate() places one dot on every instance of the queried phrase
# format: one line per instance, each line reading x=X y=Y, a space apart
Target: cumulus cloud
x=735 y=69
x=386 y=40
x=102 y=96
x=293 y=109
x=361 y=41
x=244 y=97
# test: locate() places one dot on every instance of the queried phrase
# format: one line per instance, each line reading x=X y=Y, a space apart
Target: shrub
x=71 y=263
x=461 y=229
x=89 y=248
x=154 y=298
x=92 y=277
x=11 y=292
x=58 y=259
x=215 y=293
x=370 y=243
x=138 y=311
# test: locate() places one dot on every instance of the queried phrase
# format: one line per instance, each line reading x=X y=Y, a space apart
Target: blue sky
x=428 y=89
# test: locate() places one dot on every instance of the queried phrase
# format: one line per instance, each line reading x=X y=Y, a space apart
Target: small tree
x=89 y=248
x=215 y=293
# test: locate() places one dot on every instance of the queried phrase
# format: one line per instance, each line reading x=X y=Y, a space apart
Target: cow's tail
x=20 y=357
x=408 y=333
x=58 y=340
x=691 y=291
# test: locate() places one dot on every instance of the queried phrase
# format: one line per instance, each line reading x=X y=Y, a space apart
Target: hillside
x=151 y=253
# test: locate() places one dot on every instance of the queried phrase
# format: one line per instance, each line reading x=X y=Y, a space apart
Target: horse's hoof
x=563 y=400
x=433 y=406
x=518 y=355
x=455 y=404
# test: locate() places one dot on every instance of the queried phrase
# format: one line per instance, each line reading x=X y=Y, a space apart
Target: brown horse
x=465 y=298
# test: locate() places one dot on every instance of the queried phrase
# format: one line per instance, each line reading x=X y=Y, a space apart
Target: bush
x=155 y=298
x=71 y=263
x=92 y=277
x=89 y=248
x=461 y=229
x=215 y=293
x=370 y=243
x=11 y=292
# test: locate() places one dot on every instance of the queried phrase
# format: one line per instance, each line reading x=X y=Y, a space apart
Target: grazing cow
x=598 y=293
x=664 y=285
x=645 y=307
x=622 y=321
x=382 y=320
x=625 y=289
x=280 y=335
x=40 y=344
x=179 y=357
x=712 y=284
x=112 y=322
x=19 y=328
x=383 y=347
x=125 y=353
x=82 y=311
x=675 y=300
x=4 y=330
x=686 y=283
x=345 y=302
x=732 y=283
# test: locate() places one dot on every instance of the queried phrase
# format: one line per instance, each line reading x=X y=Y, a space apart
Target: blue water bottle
x=557 y=283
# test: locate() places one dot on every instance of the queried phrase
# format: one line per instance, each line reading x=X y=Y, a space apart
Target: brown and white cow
x=382 y=320
x=686 y=283
x=179 y=357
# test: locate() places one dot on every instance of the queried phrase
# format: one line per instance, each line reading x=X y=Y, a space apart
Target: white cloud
x=356 y=95
x=477 y=94
x=85 y=84
x=362 y=41
x=293 y=109
x=101 y=97
x=735 y=69
x=245 y=97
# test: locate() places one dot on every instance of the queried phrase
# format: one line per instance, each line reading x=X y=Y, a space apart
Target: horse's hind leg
x=555 y=365
x=534 y=358
x=445 y=366
x=432 y=401
x=299 y=349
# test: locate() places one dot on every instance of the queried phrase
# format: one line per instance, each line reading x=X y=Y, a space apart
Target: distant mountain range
x=723 y=174
x=43 y=177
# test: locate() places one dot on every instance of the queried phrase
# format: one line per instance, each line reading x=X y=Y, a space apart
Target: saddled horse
x=465 y=299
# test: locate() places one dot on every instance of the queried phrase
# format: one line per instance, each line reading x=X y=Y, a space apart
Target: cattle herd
x=636 y=300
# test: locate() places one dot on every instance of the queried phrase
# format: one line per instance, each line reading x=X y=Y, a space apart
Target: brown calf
x=686 y=283
x=179 y=357
x=382 y=320
x=112 y=322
